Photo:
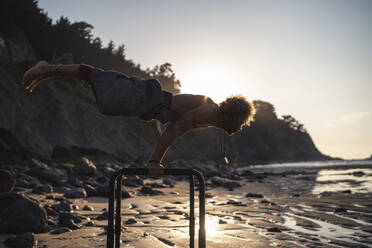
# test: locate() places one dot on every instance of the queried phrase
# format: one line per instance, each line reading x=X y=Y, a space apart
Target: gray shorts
x=119 y=95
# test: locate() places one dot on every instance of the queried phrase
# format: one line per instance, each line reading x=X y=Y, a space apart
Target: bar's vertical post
x=192 y=212
x=115 y=192
x=118 y=211
x=202 y=236
x=110 y=228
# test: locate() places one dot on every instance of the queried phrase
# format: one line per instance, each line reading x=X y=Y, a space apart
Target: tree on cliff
x=265 y=112
x=293 y=123
x=53 y=41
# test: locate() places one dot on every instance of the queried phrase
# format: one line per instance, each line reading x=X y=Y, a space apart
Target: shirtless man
x=116 y=94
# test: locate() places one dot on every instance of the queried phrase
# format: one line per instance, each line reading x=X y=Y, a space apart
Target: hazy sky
x=311 y=59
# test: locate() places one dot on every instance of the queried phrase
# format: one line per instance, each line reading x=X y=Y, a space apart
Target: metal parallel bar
x=118 y=211
x=202 y=236
x=110 y=227
x=192 y=212
x=116 y=180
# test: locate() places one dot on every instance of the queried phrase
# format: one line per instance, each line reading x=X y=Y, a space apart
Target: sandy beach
x=325 y=206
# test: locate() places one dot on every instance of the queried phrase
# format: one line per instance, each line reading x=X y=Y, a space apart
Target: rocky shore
x=65 y=205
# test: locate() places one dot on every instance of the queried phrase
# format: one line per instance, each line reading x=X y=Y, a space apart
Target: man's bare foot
x=35 y=74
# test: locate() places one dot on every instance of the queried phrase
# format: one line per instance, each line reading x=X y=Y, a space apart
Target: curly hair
x=237 y=107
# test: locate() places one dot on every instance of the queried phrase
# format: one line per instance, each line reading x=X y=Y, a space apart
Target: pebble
x=88 y=208
x=348 y=191
x=130 y=221
x=274 y=229
x=254 y=195
x=358 y=173
x=235 y=203
x=325 y=194
x=268 y=202
x=340 y=210
x=103 y=216
x=221 y=221
x=145 y=190
x=90 y=223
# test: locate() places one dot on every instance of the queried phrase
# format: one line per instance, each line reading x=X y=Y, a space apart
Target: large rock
x=104 y=191
x=132 y=181
x=50 y=174
x=19 y=214
x=69 y=220
x=91 y=191
x=42 y=189
x=6 y=181
x=85 y=167
x=26 y=240
x=64 y=205
x=76 y=193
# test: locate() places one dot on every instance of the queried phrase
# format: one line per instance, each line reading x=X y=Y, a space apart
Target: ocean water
x=331 y=163
x=358 y=180
x=332 y=176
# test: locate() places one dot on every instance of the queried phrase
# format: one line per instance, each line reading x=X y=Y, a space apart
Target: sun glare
x=211 y=226
x=213 y=80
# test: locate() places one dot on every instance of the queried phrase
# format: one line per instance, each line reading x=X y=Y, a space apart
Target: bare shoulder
x=184 y=103
x=191 y=99
x=202 y=115
x=206 y=114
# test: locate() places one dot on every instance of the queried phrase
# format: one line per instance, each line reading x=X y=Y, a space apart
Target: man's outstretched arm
x=173 y=130
x=200 y=116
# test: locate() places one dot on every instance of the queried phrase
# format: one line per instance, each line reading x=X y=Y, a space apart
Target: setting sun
x=213 y=80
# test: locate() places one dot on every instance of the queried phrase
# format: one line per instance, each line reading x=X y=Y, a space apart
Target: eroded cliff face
x=62 y=114
x=16 y=48
x=60 y=120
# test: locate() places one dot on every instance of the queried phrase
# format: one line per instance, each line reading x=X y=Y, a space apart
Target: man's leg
x=43 y=70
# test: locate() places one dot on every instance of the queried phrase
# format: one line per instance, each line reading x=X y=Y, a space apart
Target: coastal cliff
x=59 y=120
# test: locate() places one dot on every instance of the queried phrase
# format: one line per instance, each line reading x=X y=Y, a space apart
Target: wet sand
x=289 y=214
